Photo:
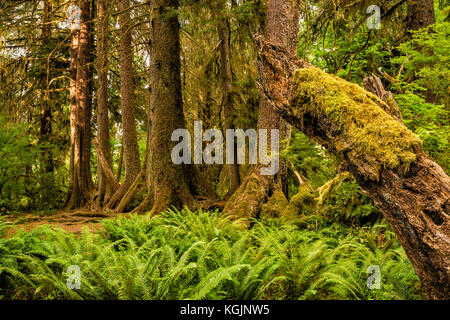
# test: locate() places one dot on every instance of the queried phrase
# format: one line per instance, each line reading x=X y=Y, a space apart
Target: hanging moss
x=364 y=129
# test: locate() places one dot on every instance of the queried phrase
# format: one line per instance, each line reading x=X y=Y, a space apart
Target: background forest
x=87 y=101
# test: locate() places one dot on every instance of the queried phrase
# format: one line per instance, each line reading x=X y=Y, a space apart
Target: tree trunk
x=81 y=183
x=420 y=14
x=45 y=132
x=120 y=164
x=129 y=139
x=386 y=159
x=281 y=28
x=168 y=182
x=46 y=111
x=227 y=97
x=104 y=188
x=106 y=168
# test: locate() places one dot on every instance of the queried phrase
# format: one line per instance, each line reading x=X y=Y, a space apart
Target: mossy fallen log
x=386 y=158
x=358 y=127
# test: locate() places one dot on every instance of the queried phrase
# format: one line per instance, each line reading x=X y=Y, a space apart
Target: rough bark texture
x=131 y=193
x=119 y=164
x=374 y=85
x=131 y=150
x=420 y=14
x=104 y=188
x=386 y=159
x=46 y=110
x=168 y=183
x=109 y=177
x=227 y=97
x=129 y=140
x=281 y=28
x=81 y=183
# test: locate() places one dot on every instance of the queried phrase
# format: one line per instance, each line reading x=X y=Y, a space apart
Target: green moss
x=247 y=198
x=325 y=190
x=303 y=202
x=275 y=206
x=366 y=131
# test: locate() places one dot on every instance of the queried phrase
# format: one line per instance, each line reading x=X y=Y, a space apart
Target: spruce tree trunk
x=281 y=28
x=386 y=159
x=81 y=184
x=168 y=183
x=104 y=188
x=129 y=138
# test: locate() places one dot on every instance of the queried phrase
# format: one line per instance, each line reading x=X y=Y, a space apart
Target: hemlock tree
x=227 y=96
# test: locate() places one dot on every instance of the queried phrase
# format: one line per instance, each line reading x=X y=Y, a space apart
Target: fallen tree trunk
x=386 y=158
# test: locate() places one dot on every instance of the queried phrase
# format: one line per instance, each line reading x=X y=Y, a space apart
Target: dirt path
x=75 y=220
x=71 y=221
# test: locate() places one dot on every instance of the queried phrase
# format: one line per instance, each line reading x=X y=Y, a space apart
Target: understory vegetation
x=202 y=255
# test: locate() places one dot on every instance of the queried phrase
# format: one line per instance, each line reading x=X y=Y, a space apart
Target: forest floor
x=71 y=221
x=75 y=220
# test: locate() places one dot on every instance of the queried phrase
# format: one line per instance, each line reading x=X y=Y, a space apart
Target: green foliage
x=21 y=179
x=344 y=202
x=425 y=58
x=16 y=156
x=430 y=122
x=348 y=205
x=202 y=255
x=310 y=159
x=422 y=89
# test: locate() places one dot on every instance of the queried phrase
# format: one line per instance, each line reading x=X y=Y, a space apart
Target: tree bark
x=281 y=28
x=81 y=183
x=106 y=168
x=129 y=139
x=46 y=111
x=168 y=182
x=120 y=164
x=45 y=132
x=420 y=14
x=105 y=189
x=227 y=97
x=411 y=190
x=374 y=85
